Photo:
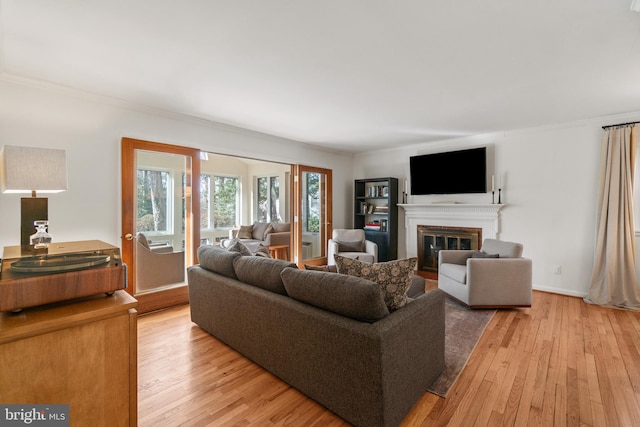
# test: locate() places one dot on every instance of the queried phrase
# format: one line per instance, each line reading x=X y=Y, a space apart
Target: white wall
x=549 y=177
x=90 y=128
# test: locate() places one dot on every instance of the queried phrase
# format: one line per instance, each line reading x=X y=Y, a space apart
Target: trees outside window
x=268 y=199
x=311 y=203
x=153 y=200
x=219 y=201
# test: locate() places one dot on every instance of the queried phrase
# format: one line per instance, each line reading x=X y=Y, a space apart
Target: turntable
x=63 y=271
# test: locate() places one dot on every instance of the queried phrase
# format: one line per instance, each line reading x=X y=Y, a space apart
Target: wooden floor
x=561 y=362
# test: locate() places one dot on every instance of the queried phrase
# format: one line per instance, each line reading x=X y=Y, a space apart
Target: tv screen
x=453 y=172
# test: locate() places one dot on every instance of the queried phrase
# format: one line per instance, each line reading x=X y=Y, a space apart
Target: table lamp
x=32 y=170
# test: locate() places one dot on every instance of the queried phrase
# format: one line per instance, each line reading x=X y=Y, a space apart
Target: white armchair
x=351 y=243
x=495 y=277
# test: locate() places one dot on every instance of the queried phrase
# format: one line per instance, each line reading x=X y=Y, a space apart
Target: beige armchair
x=157 y=267
x=495 y=277
x=351 y=243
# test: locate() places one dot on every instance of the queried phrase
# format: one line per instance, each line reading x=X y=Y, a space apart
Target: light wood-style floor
x=561 y=362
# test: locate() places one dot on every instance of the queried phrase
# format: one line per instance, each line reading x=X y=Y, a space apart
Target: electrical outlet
x=557 y=269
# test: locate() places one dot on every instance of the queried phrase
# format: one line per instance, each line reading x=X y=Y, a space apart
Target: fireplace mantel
x=484 y=216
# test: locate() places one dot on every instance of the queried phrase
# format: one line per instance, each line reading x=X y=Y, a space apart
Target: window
x=268 y=199
x=311 y=202
x=219 y=201
x=154 y=198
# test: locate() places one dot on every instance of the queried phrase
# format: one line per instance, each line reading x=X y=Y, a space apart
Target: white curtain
x=614 y=282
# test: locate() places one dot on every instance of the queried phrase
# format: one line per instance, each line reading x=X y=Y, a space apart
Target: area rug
x=463 y=329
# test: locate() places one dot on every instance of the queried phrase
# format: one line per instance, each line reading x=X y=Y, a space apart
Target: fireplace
x=433 y=239
x=461 y=217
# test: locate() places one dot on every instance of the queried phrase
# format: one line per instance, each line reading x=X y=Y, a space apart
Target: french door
x=312 y=214
x=160 y=220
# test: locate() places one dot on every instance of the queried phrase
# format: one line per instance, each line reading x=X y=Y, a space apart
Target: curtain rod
x=620 y=124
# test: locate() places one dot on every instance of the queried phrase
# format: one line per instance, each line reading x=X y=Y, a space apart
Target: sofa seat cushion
x=456 y=272
x=262 y=272
x=394 y=277
x=349 y=296
x=218 y=260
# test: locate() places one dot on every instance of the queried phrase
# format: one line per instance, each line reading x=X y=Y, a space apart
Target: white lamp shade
x=27 y=169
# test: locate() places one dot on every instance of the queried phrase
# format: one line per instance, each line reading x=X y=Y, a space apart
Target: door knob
x=128 y=236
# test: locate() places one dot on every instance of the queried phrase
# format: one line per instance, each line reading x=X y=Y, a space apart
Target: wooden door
x=160 y=187
x=312 y=214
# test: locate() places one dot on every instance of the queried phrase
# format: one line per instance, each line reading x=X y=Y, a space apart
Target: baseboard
x=560 y=291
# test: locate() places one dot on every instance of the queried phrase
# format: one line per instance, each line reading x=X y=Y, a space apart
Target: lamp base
x=31 y=209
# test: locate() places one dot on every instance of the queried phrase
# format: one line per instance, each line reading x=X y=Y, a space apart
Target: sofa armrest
x=448 y=256
x=332 y=249
x=371 y=248
x=274 y=239
x=493 y=278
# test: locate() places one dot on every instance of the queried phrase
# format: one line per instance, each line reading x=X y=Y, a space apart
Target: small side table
x=279 y=251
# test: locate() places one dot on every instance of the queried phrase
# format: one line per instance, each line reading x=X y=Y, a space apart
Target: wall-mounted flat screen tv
x=452 y=172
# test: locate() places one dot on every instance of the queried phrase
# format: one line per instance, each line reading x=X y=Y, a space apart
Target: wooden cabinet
x=376 y=211
x=81 y=352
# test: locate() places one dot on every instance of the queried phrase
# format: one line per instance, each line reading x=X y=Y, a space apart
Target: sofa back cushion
x=218 y=260
x=259 y=229
x=502 y=248
x=349 y=296
x=245 y=232
x=281 y=227
x=262 y=272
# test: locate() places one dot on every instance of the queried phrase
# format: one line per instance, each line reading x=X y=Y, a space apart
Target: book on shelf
x=381 y=209
x=374 y=226
x=378 y=191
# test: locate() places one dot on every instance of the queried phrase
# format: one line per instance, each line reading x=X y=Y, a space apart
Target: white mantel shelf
x=484 y=216
x=453 y=207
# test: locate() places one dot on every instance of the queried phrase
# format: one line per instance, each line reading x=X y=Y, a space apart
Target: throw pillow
x=357 y=246
x=237 y=246
x=327 y=268
x=353 y=297
x=245 y=232
x=394 y=277
x=263 y=251
x=480 y=254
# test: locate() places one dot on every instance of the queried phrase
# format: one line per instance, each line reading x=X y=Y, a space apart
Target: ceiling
x=347 y=75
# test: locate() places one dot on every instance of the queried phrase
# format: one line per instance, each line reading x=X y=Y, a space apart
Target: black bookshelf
x=376 y=211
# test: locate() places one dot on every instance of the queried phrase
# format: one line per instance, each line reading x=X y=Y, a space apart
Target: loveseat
x=262 y=234
x=329 y=335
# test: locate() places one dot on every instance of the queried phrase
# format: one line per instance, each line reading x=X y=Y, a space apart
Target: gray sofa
x=262 y=234
x=355 y=358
